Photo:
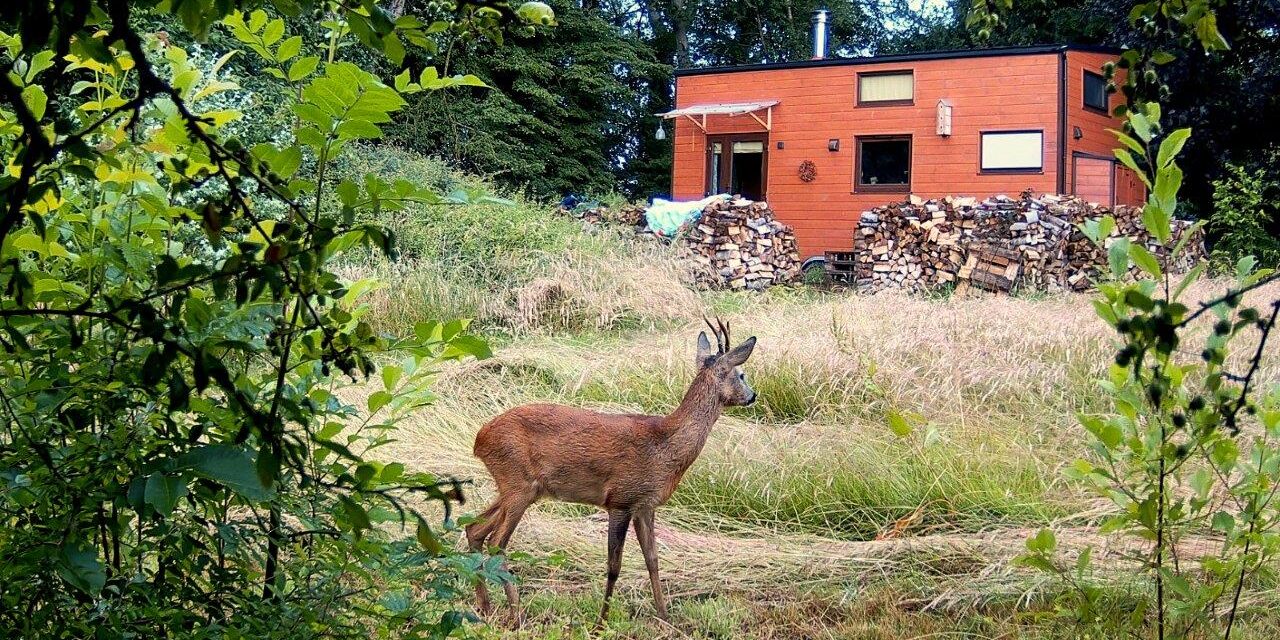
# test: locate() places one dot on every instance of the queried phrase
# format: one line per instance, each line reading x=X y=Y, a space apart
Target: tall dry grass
x=786 y=489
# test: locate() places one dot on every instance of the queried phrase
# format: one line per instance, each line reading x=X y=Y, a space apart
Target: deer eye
x=742 y=376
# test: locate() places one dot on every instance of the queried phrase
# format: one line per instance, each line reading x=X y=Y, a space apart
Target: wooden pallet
x=989 y=268
x=841 y=266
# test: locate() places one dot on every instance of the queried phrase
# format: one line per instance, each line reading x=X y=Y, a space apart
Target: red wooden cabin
x=878 y=129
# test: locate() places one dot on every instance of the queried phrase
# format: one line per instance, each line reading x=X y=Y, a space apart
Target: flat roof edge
x=950 y=54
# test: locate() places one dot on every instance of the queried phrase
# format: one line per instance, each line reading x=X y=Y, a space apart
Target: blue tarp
x=664 y=217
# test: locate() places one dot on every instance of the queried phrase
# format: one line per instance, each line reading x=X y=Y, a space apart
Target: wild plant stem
x=1160 y=525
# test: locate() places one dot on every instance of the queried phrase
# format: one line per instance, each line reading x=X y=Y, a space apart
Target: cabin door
x=1094 y=178
x=738 y=164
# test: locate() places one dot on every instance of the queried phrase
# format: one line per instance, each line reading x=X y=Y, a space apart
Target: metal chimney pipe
x=819 y=22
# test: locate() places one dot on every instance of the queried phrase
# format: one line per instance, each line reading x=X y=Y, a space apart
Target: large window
x=1013 y=151
x=886 y=88
x=883 y=163
x=1095 y=92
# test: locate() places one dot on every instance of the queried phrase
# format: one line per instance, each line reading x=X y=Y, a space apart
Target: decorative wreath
x=808 y=171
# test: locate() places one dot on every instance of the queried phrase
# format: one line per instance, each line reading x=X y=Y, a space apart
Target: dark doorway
x=738 y=164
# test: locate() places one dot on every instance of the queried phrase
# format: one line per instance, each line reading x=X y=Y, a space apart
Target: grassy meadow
x=806 y=515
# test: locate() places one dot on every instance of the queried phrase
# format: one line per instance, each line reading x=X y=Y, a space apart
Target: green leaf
x=378 y=400
x=428 y=539
x=1209 y=35
x=898 y=424
x=391 y=376
x=302 y=67
x=1156 y=221
x=163 y=492
x=1245 y=266
x=1171 y=146
x=78 y=564
x=1033 y=561
x=1141 y=126
x=39 y=62
x=356 y=515
x=273 y=32
x=35 y=99
x=1128 y=141
x=391 y=472
x=257 y=20
x=1043 y=542
x=1191 y=276
x=268 y=466
x=468 y=346
x=1145 y=260
x=232 y=467
x=402 y=81
x=361 y=129
x=289 y=48
x=1223 y=522
x=1118 y=257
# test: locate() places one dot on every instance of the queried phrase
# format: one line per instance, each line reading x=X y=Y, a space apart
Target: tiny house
x=824 y=139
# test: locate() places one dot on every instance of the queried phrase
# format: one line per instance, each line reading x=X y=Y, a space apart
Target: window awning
x=698 y=113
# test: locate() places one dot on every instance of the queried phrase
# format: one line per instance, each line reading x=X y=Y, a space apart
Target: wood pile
x=738 y=244
x=998 y=244
x=631 y=215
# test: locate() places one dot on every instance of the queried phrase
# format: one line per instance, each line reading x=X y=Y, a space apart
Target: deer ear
x=740 y=354
x=705 y=352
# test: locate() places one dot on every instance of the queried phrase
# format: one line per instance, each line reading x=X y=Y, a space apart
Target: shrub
x=1245 y=217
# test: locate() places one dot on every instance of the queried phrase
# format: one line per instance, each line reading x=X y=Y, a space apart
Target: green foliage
x=559 y=111
x=174 y=341
x=1188 y=448
x=1244 y=215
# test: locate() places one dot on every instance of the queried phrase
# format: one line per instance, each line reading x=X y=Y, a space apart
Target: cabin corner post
x=1062 y=121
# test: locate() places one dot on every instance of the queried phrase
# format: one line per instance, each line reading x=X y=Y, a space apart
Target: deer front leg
x=645 y=536
x=619 y=521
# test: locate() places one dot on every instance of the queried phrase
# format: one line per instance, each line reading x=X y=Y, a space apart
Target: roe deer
x=626 y=464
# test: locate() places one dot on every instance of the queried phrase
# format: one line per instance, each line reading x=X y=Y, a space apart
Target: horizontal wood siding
x=820 y=103
x=1093 y=178
x=1095 y=140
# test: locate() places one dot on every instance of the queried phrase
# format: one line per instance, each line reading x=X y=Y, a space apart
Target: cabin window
x=1010 y=151
x=1095 y=92
x=883 y=163
x=886 y=88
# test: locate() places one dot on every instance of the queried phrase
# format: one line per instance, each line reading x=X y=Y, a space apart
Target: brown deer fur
x=626 y=464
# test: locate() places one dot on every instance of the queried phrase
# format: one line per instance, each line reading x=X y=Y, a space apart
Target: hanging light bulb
x=661 y=133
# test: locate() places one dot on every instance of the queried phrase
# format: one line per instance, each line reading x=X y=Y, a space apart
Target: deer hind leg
x=645 y=536
x=619 y=521
x=477 y=532
x=513 y=512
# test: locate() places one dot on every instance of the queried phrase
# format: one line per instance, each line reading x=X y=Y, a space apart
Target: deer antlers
x=721 y=331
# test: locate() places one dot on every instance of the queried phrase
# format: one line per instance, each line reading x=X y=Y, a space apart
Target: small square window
x=886 y=88
x=1095 y=92
x=884 y=163
x=1013 y=151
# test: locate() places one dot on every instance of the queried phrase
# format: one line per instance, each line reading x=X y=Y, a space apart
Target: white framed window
x=880 y=88
x=1012 y=151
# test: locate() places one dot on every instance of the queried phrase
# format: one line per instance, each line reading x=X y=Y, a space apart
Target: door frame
x=726 y=175
x=1075 y=171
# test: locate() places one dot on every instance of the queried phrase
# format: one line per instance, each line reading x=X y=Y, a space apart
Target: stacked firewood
x=738 y=244
x=630 y=215
x=998 y=244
